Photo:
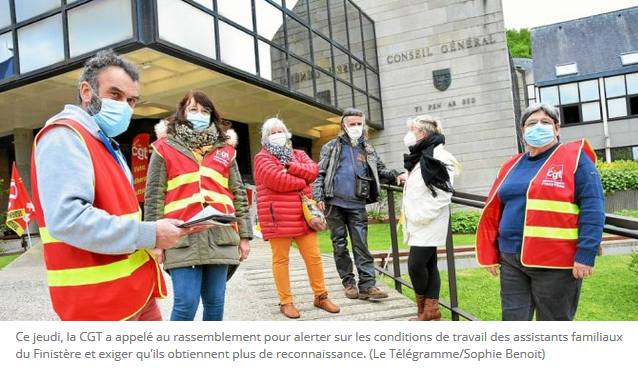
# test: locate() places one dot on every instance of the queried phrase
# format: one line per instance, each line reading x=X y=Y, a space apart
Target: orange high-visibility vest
x=89 y=286
x=550 y=232
x=190 y=184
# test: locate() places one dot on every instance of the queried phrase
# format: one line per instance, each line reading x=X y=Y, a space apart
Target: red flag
x=21 y=210
x=139 y=164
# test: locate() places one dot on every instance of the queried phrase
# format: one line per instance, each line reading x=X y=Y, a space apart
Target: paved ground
x=251 y=294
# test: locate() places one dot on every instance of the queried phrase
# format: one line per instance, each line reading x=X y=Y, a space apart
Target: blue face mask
x=539 y=134
x=199 y=120
x=114 y=117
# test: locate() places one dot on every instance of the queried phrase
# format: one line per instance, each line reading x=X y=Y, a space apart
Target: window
x=41 y=44
x=85 y=34
x=578 y=102
x=531 y=95
x=198 y=37
x=629 y=58
x=622 y=95
x=6 y=56
x=566 y=69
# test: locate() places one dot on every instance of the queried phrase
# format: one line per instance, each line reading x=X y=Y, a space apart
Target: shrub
x=618 y=175
x=465 y=221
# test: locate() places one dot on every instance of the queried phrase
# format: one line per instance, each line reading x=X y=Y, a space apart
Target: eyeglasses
x=532 y=122
x=351 y=112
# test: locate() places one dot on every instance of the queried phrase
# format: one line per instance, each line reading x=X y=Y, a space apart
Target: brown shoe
x=372 y=293
x=352 y=292
x=289 y=310
x=420 y=305
x=323 y=302
x=431 y=310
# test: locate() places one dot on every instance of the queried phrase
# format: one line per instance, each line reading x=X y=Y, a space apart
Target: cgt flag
x=21 y=210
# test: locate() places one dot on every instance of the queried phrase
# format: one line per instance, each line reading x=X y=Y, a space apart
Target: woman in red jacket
x=281 y=175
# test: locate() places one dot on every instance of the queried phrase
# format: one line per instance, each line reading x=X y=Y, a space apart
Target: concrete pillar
x=23 y=144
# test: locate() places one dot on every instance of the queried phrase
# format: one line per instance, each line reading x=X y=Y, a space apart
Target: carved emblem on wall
x=442 y=79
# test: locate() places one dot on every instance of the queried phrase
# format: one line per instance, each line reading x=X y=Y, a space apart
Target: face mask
x=278 y=139
x=539 y=134
x=199 y=120
x=355 y=132
x=409 y=140
x=114 y=117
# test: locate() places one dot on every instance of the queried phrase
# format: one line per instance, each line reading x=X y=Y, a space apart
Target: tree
x=519 y=43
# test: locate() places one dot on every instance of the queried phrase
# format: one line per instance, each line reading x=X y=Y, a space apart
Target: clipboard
x=217 y=218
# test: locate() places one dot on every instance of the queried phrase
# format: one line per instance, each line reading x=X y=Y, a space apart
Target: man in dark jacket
x=352 y=163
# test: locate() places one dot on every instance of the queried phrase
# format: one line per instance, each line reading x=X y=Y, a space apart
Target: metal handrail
x=614 y=224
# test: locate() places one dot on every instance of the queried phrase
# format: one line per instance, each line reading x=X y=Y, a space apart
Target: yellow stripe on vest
x=97 y=274
x=555 y=206
x=214 y=175
x=182 y=180
x=181 y=204
x=218 y=198
x=548 y=232
x=46 y=237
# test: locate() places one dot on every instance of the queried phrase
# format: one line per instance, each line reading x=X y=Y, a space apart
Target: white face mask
x=354 y=132
x=409 y=140
x=278 y=139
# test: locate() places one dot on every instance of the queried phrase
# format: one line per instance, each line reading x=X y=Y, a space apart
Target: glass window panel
x=5 y=15
x=85 y=34
x=374 y=114
x=568 y=93
x=325 y=88
x=198 y=37
x=323 y=52
x=298 y=38
x=358 y=74
x=634 y=152
x=632 y=84
x=298 y=7
x=591 y=111
x=617 y=108
x=361 y=101
x=369 y=42
x=237 y=48
x=588 y=90
x=373 y=83
x=344 y=95
x=206 y=3
x=238 y=11
x=7 y=64
x=41 y=44
x=531 y=92
x=338 y=18
x=615 y=86
x=342 y=64
x=270 y=21
x=278 y=2
x=319 y=16
x=272 y=64
x=26 y=9
x=354 y=30
x=550 y=95
x=301 y=77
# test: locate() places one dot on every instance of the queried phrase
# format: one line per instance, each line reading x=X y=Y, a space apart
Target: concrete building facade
x=301 y=60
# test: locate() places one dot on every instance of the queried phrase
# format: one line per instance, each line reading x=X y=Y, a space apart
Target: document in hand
x=211 y=217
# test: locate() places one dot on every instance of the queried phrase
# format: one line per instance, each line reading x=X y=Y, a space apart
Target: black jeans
x=424 y=271
x=552 y=293
x=354 y=222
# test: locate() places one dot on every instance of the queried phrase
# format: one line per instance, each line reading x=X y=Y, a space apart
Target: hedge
x=621 y=175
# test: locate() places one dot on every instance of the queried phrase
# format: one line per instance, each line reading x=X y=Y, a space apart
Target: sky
x=528 y=14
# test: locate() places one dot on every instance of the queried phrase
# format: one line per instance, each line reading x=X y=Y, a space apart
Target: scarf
x=433 y=171
x=283 y=153
x=193 y=138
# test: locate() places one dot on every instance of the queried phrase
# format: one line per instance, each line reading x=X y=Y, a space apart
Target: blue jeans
x=552 y=293
x=189 y=283
x=354 y=222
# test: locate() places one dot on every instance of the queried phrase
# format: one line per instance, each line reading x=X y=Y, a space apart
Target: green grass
x=379 y=239
x=610 y=295
x=7 y=259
